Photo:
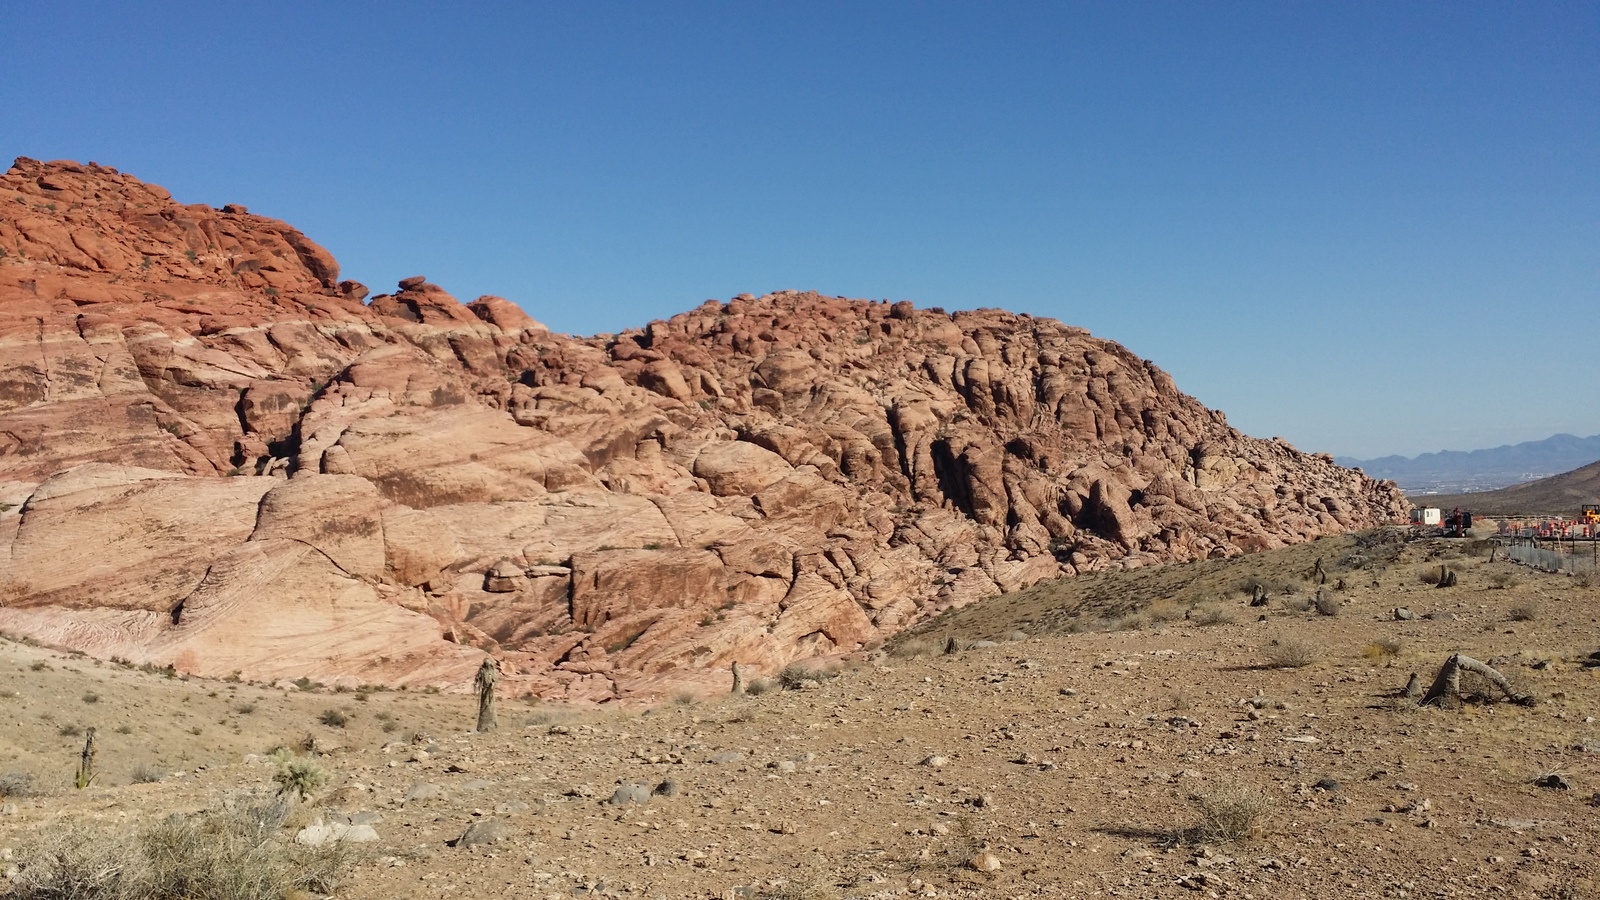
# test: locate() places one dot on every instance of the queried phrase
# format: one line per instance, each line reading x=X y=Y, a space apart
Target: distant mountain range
x=1466 y=471
x=1562 y=495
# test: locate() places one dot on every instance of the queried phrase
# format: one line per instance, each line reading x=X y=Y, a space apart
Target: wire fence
x=1557 y=557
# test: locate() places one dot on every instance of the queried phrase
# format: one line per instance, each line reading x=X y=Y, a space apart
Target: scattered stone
x=726 y=757
x=668 y=788
x=1554 y=780
x=985 y=862
x=511 y=808
x=1401 y=614
x=1327 y=784
x=423 y=791
x=935 y=761
x=319 y=834
x=629 y=794
x=483 y=831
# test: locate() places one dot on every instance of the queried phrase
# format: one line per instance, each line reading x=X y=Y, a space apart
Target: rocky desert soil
x=1066 y=749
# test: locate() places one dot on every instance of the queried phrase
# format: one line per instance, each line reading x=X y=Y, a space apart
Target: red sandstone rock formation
x=213 y=454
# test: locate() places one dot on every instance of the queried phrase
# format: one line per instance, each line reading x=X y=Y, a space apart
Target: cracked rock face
x=214 y=454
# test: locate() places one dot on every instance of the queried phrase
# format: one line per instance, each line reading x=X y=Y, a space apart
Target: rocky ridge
x=215 y=454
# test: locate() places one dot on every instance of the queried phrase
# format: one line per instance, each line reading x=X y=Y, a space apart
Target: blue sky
x=1369 y=228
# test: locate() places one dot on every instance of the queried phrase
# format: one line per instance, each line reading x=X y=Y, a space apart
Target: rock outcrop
x=214 y=454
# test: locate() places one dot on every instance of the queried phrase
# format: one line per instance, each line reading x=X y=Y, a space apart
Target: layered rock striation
x=216 y=454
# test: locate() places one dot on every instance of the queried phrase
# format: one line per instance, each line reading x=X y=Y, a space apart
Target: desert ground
x=1133 y=734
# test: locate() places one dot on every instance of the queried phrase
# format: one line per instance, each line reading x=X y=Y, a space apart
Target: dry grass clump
x=1290 y=653
x=809 y=889
x=1378 y=651
x=1229 y=812
x=146 y=773
x=1326 y=603
x=16 y=784
x=1296 y=604
x=685 y=698
x=1502 y=580
x=1208 y=614
x=1129 y=622
x=1162 y=611
x=210 y=856
x=334 y=718
x=911 y=648
x=796 y=677
x=1525 y=612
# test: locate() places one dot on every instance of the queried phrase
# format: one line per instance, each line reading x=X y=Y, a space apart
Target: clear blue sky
x=1367 y=227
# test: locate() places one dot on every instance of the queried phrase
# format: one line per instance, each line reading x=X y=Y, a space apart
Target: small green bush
x=298 y=776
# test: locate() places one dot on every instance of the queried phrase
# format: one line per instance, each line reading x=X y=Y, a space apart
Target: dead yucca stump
x=1446 y=687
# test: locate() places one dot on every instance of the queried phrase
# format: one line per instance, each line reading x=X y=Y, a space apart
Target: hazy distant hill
x=1561 y=495
x=1462 y=471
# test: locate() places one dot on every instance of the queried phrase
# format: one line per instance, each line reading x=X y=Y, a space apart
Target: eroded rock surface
x=213 y=453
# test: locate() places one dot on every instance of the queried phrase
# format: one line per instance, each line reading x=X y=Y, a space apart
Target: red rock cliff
x=213 y=453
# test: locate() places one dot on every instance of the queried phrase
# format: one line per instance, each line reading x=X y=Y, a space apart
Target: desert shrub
x=1388 y=648
x=1163 y=611
x=75 y=863
x=911 y=648
x=1525 y=612
x=1130 y=622
x=145 y=773
x=124 y=728
x=245 y=708
x=757 y=687
x=1296 y=604
x=208 y=856
x=1211 y=614
x=16 y=784
x=334 y=718
x=69 y=730
x=685 y=698
x=1250 y=585
x=1290 y=653
x=1326 y=603
x=1229 y=812
x=91 y=697
x=1502 y=580
x=793 y=678
x=298 y=776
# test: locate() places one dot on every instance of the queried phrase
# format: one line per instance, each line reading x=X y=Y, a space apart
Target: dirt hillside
x=1072 y=759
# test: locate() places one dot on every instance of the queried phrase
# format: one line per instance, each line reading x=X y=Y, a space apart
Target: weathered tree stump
x=1447 y=684
x=487 y=676
x=738 y=680
x=952 y=646
x=1258 y=596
